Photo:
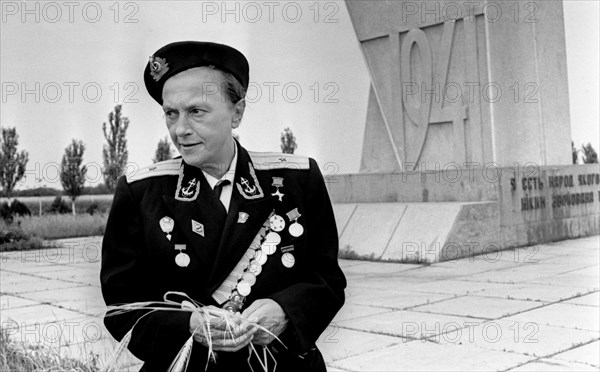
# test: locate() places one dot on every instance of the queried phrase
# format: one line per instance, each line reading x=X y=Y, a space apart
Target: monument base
x=443 y=215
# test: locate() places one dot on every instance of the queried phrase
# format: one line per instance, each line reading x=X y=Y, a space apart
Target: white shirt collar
x=229 y=175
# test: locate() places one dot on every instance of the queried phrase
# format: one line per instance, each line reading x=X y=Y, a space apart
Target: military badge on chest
x=166 y=225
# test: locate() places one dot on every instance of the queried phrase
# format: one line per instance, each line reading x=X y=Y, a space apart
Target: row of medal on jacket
x=256 y=256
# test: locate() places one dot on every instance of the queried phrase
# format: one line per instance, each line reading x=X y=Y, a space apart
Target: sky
x=64 y=66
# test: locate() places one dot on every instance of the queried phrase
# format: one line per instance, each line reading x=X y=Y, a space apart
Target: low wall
x=383 y=216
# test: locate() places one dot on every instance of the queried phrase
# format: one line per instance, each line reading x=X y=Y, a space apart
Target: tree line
x=73 y=170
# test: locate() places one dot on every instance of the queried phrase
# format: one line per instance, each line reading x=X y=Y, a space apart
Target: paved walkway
x=530 y=309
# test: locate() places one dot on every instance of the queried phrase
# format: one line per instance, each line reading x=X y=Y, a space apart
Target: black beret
x=180 y=56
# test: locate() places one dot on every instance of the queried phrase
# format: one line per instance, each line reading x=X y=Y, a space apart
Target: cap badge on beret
x=158 y=67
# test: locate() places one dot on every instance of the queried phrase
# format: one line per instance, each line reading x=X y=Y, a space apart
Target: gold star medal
x=182 y=259
x=278 y=182
x=295 y=229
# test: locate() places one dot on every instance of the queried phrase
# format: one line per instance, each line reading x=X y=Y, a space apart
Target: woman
x=251 y=233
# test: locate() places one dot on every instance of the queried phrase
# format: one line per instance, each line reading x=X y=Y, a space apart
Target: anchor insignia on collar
x=247 y=190
x=191 y=190
x=187 y=191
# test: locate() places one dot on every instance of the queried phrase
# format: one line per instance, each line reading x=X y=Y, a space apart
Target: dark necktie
x=217 y=190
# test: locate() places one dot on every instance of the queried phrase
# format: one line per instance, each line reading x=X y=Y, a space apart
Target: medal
x=249 y=254
x=166 y=225
x=260 y=257
x=249 y=277
x=295 y=228
x=277 y=223
x=268 y=248
x=288 y=260
x=273 y=237
x=244 y=288
x=255 y=268
x=182 y=259
x=278 y=182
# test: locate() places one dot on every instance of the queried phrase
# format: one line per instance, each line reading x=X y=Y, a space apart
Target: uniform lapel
x=201 y=243
x=238 y=235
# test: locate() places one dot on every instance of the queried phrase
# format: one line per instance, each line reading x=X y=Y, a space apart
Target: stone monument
x=467 y=145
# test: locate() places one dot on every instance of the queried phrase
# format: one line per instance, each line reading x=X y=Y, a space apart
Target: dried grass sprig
x=181 y=361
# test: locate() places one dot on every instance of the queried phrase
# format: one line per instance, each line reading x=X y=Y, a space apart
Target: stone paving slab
x=395 y=299
x=62 y=295
x=587 y=354
x=408 y=324
x=479 y=307
x=68 y=273
x=38 y=314
x=353 y=311
x=79 y=276
x=553 y=364
x=30 y=268
x=527 y=338
x=587 y=282
x=534 y=292
x=517 y=275
x=28 y=283
x=456 y=287
x=592 y=299
x=343 y=343
x=378 y=267
x=562 y=315
x=12 y=302
x=429 y=356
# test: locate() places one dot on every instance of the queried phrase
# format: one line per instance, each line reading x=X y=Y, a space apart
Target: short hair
x=231 y=87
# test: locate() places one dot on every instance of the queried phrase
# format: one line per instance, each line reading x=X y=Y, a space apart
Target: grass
x=27 y=233
x=60 y=226
x=15 y=356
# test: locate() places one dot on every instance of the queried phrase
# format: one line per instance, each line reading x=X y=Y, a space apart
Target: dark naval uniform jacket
x=139 y=259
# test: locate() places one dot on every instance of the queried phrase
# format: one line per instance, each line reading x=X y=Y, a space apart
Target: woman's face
x=200 y=118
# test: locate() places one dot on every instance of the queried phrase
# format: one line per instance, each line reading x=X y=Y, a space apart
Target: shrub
x=59 y=206
x=5 y=211
x=11 y=234
x=92 y=208
x=19 y=209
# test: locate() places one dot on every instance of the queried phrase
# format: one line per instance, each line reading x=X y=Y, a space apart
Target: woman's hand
x=269 y=314
x=223 y=338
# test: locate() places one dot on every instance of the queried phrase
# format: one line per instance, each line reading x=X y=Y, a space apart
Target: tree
x=589 y=154
x=288 y=141
x=115 y=151
x=575 y=152
x=72 y=173
x=163 y=150
x=12 y=164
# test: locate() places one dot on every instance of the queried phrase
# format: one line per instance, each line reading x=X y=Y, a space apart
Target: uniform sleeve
x=312 y=303
x=125 y=278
